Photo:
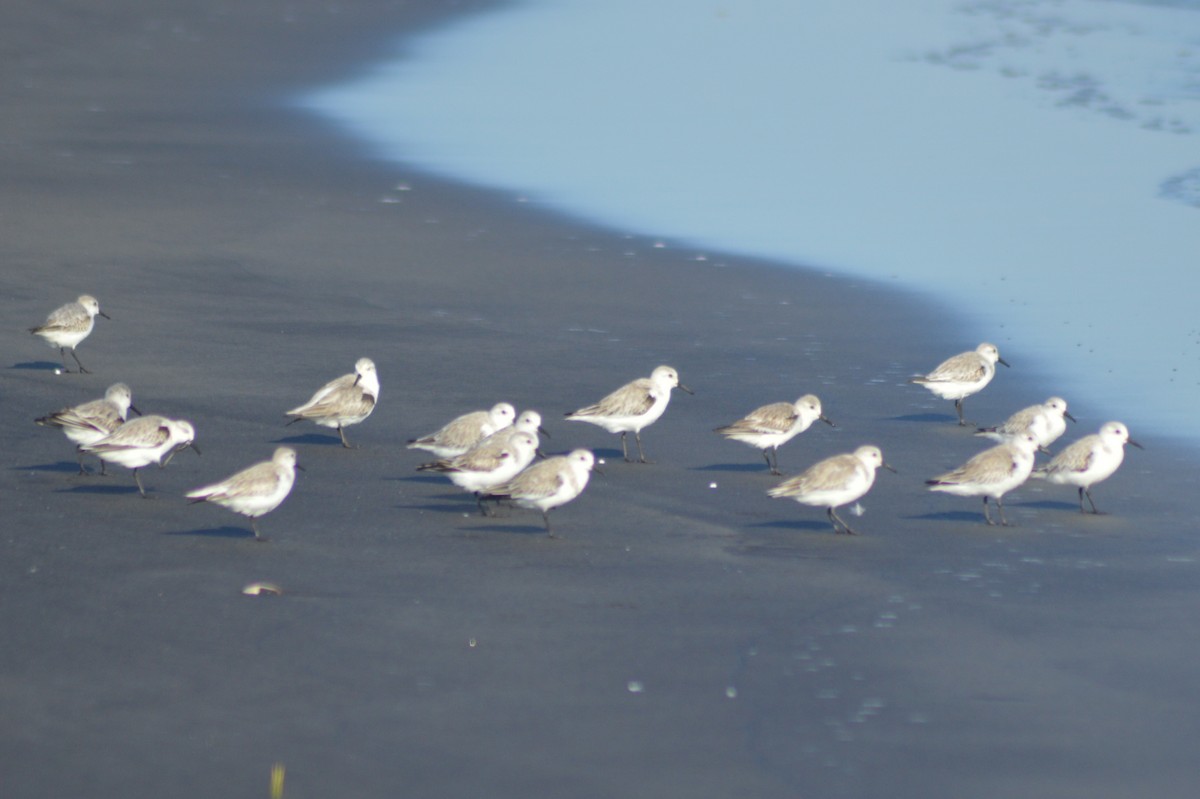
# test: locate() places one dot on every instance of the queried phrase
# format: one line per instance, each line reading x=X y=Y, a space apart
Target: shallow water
x=1033 y=165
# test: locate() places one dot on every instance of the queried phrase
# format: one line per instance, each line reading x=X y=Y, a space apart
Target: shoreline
x=246 y=257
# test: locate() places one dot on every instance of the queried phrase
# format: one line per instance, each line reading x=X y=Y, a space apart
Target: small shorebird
x=771 y=426
x=834 y=482
x=342 y=402
x=143 y=441
x=963 y=375
x=1053 y=410
x=991 y=473
x=68 y=325
x=548 y=484
x=256 y=490
x=632 y=407
x=1089 y=460
x=488 y=465
x=92 y=421
x=463 y=432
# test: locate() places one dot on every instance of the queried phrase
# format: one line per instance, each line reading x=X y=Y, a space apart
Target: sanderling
x=991 y=473
x=547 y=484
x=463 y=432
x=1089 y=460
x=256 y=490
x=527 y=422
x=963 y=375
x=1053 y=410
x=68 y=325
x=92 y=421
x=771 y=426
x=633 y=406
x=143 y=441
x=342 y=402
x=487 y=465
x=834 y=482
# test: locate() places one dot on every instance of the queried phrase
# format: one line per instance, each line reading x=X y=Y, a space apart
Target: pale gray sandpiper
x=963 y=375
x=92 y=421
x=991 y=473
x=771 y=426
x=143 y=441
x=834 y=482
x=1089 y=460
x=548 y=484
x=1054 y=411
x=256 y=490
x=344 y=401
x=68 y=325
x=633 y=407
x=465 y=431
x=487 y=465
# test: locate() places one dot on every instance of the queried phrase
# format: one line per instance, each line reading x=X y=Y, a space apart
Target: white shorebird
x=143 y=441
x=771 y=426
x=344 y=401
x=834 y=482
x=256 y=490
x=991 y=473
x=68 y=325
x=92 y=421
x=548 y=484
x=1089 y=460
x=963 y=375
x=632 y=407
x=1053 y=410
x=487 y=465
x=463 y=432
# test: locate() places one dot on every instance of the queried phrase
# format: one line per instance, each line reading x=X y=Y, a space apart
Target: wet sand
x=685 y=635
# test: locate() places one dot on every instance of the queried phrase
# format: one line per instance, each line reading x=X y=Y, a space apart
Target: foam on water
x=1035 y=163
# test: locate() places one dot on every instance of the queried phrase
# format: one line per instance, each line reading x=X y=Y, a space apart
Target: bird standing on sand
x=834 y=482
x=992 y=473
x=463 y=432
x=1053 y=410
x=771 y=426
x=68 y=325
x=489 y=464
x=548 y=484
x=256 y=490
x=963 y=375
x=632 y=407
x=342 y=402
x=144 y=441
x=1089 y=460
x=92 y=421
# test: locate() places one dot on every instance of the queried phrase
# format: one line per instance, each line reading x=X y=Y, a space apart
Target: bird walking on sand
x=342 y=402
x=68 y=325
x=834 y=482
x=488 y=465
x=991 y=473
x=463 y=432
x=963 y=375
x=1053 y=410
x=771 y=426
x=1089 y=460
x=143 y=441
x=548 y=484
x=92 y=421
x=256 y=490
x=633 y=407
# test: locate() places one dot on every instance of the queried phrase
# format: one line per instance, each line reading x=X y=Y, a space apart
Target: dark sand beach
x=684 y=636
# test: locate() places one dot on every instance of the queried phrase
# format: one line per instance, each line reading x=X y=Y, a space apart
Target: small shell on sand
x=259 y=589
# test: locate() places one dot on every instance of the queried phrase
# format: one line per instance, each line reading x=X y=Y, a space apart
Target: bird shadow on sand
x=734 y=467
x=110 y=489
x=316 y=439
x=420 y=478
x=447 y=507
x=511 y=528
x=61 y=466
x=925 y=418
x=954 y=516
x=39 y=366
x=226 y=531
x=1049 y=504
x=794 y=525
